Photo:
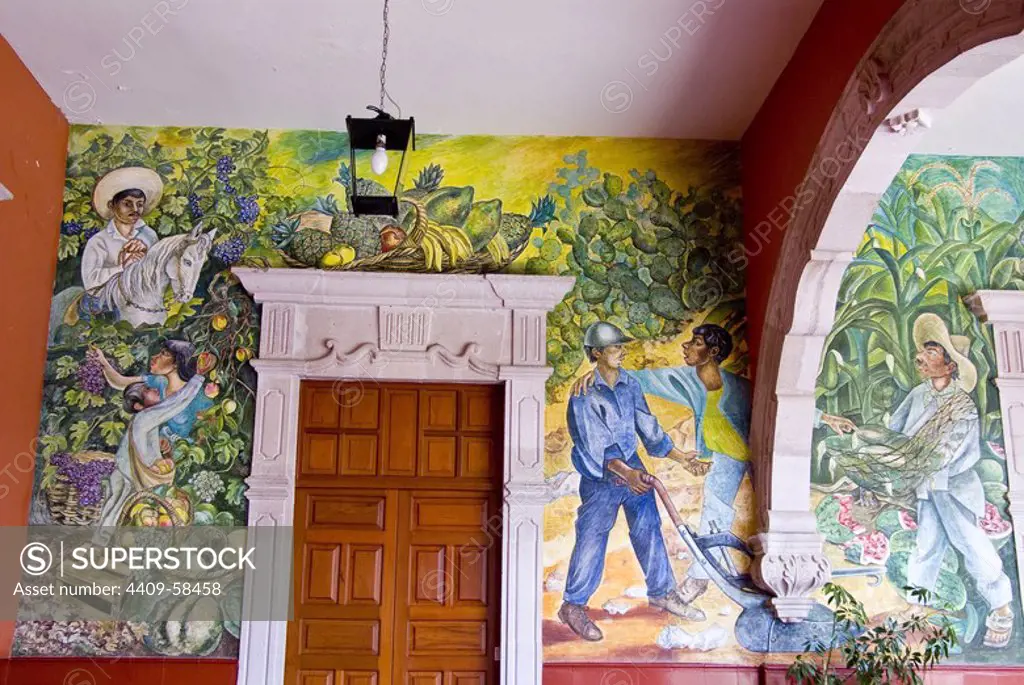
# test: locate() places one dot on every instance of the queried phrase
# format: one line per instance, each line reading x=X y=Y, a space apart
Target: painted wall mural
x=909 y=470
x=148 y=403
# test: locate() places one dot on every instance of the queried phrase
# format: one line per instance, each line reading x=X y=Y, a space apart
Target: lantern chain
x=384 y=56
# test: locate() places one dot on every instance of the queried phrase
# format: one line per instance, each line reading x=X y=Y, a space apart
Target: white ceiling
x=554 y=67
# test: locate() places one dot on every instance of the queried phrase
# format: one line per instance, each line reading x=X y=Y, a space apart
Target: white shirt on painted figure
x=100 y=259
x=958 y=477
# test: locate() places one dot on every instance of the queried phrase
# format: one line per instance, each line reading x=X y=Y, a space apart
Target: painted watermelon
x=868 y=549
x=893 y=520
x=835 y=519
x=994 y=525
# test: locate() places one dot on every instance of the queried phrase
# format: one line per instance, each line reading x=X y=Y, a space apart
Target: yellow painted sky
x=516 y=169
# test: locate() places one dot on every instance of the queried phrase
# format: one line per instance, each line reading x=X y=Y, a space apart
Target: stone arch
x=929 y=53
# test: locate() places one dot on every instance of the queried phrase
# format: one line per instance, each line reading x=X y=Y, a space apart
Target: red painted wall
x=33 y=148
x=777 y=148
x=769 y=674
x=118 y=672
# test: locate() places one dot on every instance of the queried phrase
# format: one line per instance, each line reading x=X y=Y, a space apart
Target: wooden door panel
x=320 y=573
x=449 y=562
x=476 y=457
x=316 y=678
x=345 y=511
x=348 y=637
x=438 y=457
x=358 y=455
x=462 y=678
x=331 y=677
x=428 y=577
x=421 y=678
x=319 y=455
x=400 y=436
x=441 y=512
x=321 y=407
x=447 y=638
x=363 y=678
x=477 y=412
x=365 y=577
x=471 y=575
x=344 y=602
x=360 y=408
x=397 y=535
x=439 y=410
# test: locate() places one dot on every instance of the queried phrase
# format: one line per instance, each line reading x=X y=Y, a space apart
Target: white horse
x=138 y=291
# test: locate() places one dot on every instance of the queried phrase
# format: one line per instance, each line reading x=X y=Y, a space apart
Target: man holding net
x=929 y=452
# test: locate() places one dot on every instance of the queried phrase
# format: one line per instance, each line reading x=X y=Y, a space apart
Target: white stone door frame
x=1004 y=309
x=375 y=327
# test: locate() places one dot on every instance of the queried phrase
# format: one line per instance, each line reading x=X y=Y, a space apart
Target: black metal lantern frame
x=364 y=134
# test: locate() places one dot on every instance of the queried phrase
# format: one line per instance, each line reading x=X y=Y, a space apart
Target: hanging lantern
x=380 y=134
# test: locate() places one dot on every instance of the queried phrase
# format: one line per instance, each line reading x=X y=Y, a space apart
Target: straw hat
x=929 y=327
x=146 y=180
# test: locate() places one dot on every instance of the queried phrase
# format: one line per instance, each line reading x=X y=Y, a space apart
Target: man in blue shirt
x=604 y=425
x=720 y=401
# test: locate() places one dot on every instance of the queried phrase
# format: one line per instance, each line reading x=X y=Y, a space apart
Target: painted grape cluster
x=86 y=476
x=229 y=251
x=90 y=376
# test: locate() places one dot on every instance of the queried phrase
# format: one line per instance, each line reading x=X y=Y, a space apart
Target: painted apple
x=390 y=238
x=205 y=362
x=243 y=354
x=219 y=322
x=211 y=390
x=229 y=406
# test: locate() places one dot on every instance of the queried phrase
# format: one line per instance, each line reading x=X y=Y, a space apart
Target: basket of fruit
x=163 y=507
x=75 y=493
x=438 y=229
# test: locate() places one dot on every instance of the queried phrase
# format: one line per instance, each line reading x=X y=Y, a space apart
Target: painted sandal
x=999 y=630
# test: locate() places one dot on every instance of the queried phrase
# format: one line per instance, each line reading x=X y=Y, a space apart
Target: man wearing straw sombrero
x=951 y=500
x=122 y=197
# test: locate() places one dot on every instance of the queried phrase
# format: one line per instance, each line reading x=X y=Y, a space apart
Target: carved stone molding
x=380 y=327
x=405 y=328
x=792 y=577
x=908 y=122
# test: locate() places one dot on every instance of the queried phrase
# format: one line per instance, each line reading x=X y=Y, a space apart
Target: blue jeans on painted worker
x=594 y=520
x=717 y=512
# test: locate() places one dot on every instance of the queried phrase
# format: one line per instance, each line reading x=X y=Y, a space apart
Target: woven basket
x=62 y=495
x=409 y=257
x=158 y=502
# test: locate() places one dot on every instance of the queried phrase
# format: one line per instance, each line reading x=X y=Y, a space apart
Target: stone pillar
x=1004 y=309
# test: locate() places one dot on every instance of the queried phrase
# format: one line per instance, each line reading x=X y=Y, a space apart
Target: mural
x=909 y=468
x=148 y=401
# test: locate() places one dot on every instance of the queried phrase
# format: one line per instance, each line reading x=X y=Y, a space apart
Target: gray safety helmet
x=602 y=334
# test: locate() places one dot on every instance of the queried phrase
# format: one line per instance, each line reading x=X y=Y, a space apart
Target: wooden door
x=397 y=535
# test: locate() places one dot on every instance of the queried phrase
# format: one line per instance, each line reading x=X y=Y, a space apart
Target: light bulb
x=379 y=161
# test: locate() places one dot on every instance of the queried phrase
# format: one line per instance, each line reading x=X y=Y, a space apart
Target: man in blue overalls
x=604 y=424
x=720 y=401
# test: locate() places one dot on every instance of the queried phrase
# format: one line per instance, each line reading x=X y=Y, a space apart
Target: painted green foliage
x=944 y=229
x=215 y=179
x=646 y=257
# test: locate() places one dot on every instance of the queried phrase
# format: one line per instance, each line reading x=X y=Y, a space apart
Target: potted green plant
x=895 y=651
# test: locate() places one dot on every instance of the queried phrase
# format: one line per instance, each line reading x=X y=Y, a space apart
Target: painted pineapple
x=309 y=246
